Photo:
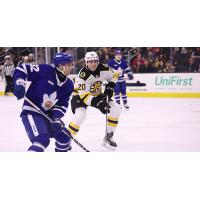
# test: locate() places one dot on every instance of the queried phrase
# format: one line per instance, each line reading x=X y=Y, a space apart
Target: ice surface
x=151 y=124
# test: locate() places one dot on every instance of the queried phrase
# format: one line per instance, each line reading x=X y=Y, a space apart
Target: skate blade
x=107 y=146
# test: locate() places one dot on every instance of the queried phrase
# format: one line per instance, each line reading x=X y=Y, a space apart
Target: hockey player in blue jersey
x=120 y=64
x=50 y=90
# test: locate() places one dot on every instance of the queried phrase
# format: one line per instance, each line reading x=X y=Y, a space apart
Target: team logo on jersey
x=49 y=100
x=82 y=74
x=96 y=88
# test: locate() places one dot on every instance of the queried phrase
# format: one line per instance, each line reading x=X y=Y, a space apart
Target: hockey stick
x=106 y=115
x=52 y=121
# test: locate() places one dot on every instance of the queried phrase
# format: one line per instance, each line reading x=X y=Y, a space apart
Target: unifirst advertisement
x=165 y=85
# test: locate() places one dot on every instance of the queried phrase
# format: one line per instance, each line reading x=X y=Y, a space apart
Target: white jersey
x=89 y=84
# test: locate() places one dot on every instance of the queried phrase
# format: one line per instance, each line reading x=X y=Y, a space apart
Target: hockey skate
x=108 y=141
x=126 y=106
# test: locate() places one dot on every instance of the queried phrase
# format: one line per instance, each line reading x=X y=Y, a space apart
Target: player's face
x=92 y=65
x=8 y=60
x=118 y=57
x=66 y=69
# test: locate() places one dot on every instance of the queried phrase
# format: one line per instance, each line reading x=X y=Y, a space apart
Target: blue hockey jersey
x=121 y=66
x=45 y=91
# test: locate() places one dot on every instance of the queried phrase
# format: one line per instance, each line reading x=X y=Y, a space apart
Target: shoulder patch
x=103 y=67
x=82 y=74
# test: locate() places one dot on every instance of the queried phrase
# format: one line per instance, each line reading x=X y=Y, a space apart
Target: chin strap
x=61 y=76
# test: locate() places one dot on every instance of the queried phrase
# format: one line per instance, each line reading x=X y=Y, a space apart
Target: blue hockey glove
x=19 y=88
x=130 y=75
x=57 y=125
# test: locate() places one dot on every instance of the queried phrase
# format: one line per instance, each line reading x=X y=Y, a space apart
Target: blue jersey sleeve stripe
x=64 y=108
x=22 y=70
x=57 y=109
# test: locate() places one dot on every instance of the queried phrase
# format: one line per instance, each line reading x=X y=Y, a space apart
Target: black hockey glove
x=57 y=125
x=109 y=90
x=100 y=103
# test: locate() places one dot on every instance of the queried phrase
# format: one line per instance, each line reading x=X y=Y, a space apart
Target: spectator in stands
x=104 y=56
x=181 y=58
x=179 y=67
x=156 y=64
x=142 y=68
x=137 y=62
x=156 y=51
x=169 y=67
x=150 y=55
x=8 y=70
x=31 y=59
x=41 y=55
x=193 y=66
x=15 y=59
x=147 y=67
x=196 y=55
x=20 y=60
x=161 y=66
x=153 y=67
x=25 y=60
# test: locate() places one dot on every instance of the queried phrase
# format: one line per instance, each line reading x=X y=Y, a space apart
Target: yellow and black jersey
x=90 y=83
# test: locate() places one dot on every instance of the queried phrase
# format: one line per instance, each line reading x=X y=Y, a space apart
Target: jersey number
x=34 y=68
x=81 y=86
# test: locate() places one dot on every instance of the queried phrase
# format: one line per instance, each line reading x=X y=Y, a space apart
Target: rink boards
x=186 y=85
x=166 y=85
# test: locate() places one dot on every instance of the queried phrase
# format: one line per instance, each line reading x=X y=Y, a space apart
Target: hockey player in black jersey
x=88 y=92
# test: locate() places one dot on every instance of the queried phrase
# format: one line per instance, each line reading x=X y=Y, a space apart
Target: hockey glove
x=57 y=125
x=100 y=103
x=19 y=88
x=130 y=75
x=109 y=90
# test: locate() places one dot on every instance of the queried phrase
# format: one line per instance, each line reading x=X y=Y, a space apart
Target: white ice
x=151 y=125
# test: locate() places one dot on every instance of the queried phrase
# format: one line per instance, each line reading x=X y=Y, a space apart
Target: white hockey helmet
x=89 y=56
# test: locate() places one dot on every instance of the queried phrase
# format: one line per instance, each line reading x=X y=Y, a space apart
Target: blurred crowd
x=167 y=60
x=152 y=59
x=157 y=59
x=141 y=60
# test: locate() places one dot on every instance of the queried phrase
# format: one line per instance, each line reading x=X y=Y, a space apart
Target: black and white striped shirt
x=8 y=70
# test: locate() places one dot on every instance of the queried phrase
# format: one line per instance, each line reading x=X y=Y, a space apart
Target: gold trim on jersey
x=113 y=118
x=86 y=99
x=73 y=128
x=84 y=94
x=111 y=124
x=75 y=92
x=116 y=75
x=112 y=121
